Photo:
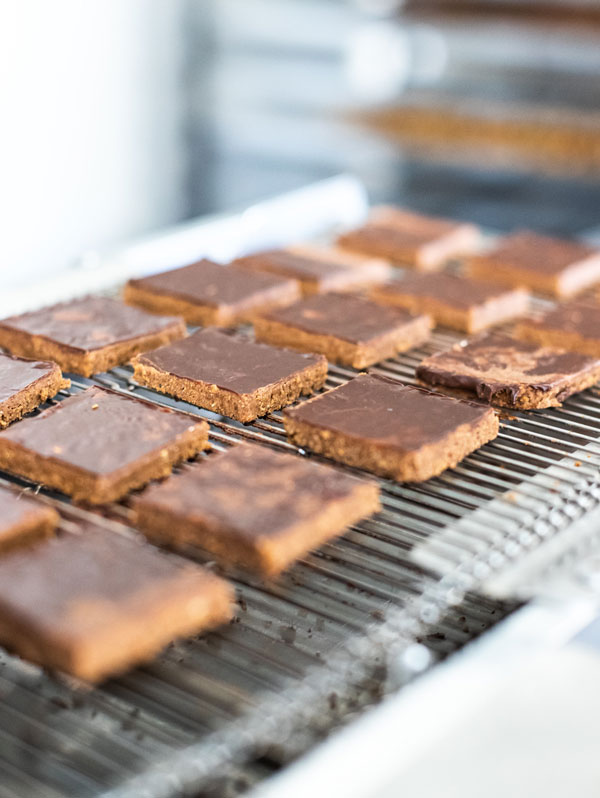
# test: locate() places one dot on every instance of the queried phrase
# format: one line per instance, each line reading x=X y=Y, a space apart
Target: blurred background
x=120 y=117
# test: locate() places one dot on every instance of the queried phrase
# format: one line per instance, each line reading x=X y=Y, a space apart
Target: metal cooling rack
x=351 y=622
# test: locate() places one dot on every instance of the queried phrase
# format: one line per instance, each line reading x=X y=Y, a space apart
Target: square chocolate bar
x=99 y=445
x=504 y=371
x=229 y=374
x=87 y=335
x=410 y=239
x=209 y=294
x=26 y=384
x=394 y=430
x=95 y=603
x=255 y=507
x=346 y=329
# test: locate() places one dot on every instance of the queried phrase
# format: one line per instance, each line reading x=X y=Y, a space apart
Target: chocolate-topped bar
x=504 y=371
x=87 y=335
x=207 y=293
x=410 y=239
x=229 y=374
x=346 y=329
x=541 y=263
x=318 y=272
x=93 y=603
x=255 y=507
x=460 y=303
x=572 y=325
x=25 y=384
x=405 y=433
x=23 y=520
x=99 y=445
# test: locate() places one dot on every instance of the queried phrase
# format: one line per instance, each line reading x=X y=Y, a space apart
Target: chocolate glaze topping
x=51 y=583
x=230 y=362
x=495 y=363
x=14 y=508
x=17 y=373
x=388 y=413
x=342 y=315
x=99 y=430
x=579 y=317
x=460 y=292
x=209 y=283
x=89 y=323
x=253 y=490
x=536 y=253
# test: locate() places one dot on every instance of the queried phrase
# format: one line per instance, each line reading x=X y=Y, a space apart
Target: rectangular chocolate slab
x=410 y=239
x=98 y=445
x=95 y=603
x=26 y=384
x=571 y=325
x=316 y=272
x=543 y=264
x=254 y=507
x=88 y=335
x=461 y=303
x=229 y=374
x=23 y=520
x=394 y=430
x=504 y=371
x=209 y=294
x=346 y=329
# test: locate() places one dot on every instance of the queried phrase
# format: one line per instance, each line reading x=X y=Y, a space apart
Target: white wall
x=90 y=127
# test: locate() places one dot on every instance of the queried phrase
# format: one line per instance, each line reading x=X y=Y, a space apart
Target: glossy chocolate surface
x=251 y=490
x=89 y=323
x=230 y=362
x=458 y=292
x=343 y=316
x=388 y=413
x=209 y=283
x=496 y=363
x=536 y=253
x=17 y=374
x=99 y=430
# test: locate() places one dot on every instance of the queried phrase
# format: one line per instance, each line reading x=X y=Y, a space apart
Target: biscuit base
x=84 y=486
x=358 y=355
x=32 y=396
x=86 y=362
x=242 y=407
x=266 y=555
x=414 y=466
x=207 y=315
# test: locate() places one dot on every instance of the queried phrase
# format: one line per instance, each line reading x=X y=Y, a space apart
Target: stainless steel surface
x=349 y=624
